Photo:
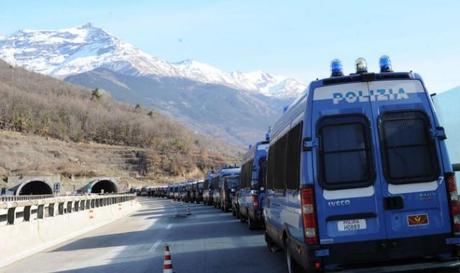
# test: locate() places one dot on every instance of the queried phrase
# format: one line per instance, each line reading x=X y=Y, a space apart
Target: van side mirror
x=308 y=144
x=440 y=133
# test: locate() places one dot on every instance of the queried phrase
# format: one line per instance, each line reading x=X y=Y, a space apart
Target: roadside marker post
x=167 y=261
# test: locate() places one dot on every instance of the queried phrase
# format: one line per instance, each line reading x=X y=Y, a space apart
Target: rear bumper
x=420 y=267
x=420 y=254
x=256 y=215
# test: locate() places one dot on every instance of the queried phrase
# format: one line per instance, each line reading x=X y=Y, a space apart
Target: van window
x=409 y=154
x=345 y=159
x=280 y=165
x=262 y=171
x=293 y=157
x=277 y=164
x=246 y=174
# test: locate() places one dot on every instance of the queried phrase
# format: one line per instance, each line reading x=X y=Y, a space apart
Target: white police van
x=359 y=178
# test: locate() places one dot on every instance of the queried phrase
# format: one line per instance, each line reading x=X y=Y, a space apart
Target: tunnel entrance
x=104 y=186
x=35 y=187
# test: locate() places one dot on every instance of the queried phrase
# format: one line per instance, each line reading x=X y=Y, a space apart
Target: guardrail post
x=51 y=210
x=61 y=208
x=27 y=212
x=40 y=211
x=11 y=216
x=69 y=207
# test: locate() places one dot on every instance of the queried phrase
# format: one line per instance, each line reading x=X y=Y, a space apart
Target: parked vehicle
x=207 y=189
x=170 y=191
x=187 y=196
x=176 y=192
x=197 y=191
x=215 y=191
x=359 y=177
x=229 y=186
x=217 y=182
x=252 y=190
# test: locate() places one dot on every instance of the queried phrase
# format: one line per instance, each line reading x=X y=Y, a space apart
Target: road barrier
x=167 y=261
x=29 y=225
x=14 y=198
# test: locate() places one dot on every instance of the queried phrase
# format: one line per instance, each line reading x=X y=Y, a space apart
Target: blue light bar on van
x=336 y=68
x=385 y=64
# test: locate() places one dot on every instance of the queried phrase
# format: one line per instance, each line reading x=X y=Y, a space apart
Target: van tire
x=272 y=247
x=292 y=265
x=251 y=224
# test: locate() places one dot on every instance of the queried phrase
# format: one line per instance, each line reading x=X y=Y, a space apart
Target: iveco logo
x=370 y=95
x=339 y=203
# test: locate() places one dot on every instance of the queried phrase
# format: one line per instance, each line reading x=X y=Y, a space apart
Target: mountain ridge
x=65 y=52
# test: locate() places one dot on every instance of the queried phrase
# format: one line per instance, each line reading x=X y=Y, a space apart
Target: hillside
x=234 y=106
x=216 y=110
x=39 y=106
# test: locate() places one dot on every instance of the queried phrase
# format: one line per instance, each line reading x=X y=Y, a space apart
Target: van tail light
x=255 y=201
x=309 y=215
x=454 y=202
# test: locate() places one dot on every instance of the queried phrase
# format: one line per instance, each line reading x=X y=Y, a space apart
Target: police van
x=359 y=178
x=217 y=182
x=251 y=193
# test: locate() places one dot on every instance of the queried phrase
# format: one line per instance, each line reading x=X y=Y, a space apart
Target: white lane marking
x=169 y=226
x=155 y=245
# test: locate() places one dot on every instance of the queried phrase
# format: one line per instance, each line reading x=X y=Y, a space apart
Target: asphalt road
x=207 y=241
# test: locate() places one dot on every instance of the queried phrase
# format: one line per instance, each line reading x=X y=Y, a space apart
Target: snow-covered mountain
x=65 y=52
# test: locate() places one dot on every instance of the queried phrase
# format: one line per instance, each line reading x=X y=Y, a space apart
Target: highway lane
x=207 y=241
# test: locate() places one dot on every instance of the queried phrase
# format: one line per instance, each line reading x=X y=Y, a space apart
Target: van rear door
x=347 y=188
x=412 y=185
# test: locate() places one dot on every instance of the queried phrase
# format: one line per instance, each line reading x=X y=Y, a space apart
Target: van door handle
x=394 y=202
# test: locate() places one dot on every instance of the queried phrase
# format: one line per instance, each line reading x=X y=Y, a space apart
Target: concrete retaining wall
x=25 y=238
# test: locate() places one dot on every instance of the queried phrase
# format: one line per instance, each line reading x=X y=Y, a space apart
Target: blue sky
x=295 y=38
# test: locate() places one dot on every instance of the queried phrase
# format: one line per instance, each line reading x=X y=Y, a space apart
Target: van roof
x=299 y=104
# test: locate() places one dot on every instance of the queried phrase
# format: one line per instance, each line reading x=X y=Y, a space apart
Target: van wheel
x=292 y=265
x=272 y=247
x=251 y=224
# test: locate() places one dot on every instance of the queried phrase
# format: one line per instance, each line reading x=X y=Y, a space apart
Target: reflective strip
x=167 y=262
x=413 y=187
x=349 y=193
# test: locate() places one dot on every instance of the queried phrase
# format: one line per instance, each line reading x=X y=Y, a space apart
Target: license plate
x=417 y=219
x=352 y=225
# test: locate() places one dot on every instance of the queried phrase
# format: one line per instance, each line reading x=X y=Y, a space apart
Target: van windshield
x=409 y=153
x=345 y=159
x=233 y=182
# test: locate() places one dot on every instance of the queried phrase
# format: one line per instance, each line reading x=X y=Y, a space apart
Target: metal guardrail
x=14 y=198
x=21 y=201
x=24 y=207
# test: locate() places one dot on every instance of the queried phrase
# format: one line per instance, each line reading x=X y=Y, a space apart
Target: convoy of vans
x=354 y=178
